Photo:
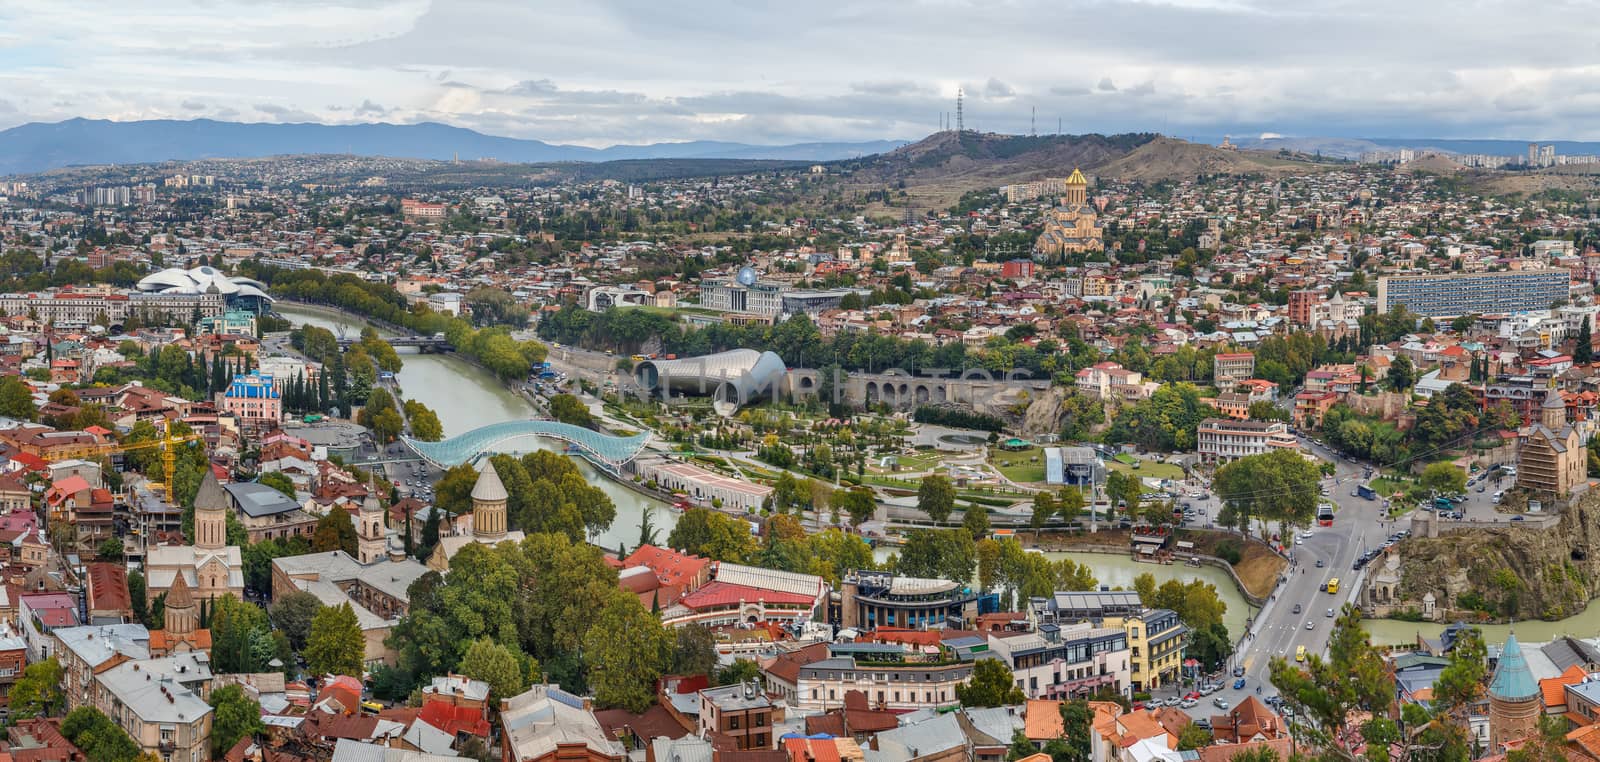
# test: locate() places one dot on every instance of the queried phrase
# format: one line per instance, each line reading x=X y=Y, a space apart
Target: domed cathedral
x=489 y=523
x=1073 y=226
x=211 y=568
x=1514 y=699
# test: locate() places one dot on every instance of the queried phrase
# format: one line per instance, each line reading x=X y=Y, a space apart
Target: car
x=1238 y=671
x=1320 y=564
x=1207 y=690
x=1310 y=625
x=1238 y=685
x=1188 y=703
x=1306 y=534
x=1518 y=518
x=1204 y=723
x=1137 y=705
x=1297 y=608
x=1220 y=703
x=1330 y=613
x=1191 y=695
x=1299 y=541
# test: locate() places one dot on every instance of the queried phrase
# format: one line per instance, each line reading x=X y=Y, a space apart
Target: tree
x=627 y=650
x=335 y=645
x=98 y=737
x=695 y=652
x=936 y=496
x=1276 y=486
x=1444 y=477
x=37 y=693
x=1402 y=375
x=241 y=638
x=110 y=550
x=278 y=481
x=705 y=532
x=858 y=503
x=1353 y=677
x=1583 y=346
x=1070 y=503
x=975 y=519
x=569 y=409
x=991 y=684
x=335 y=531
x=1193 y=737
x=16 y=399
x=939 y=554
x=234 y=716
x=740 y=671
x=495 y=664
x=425 y=425
x=1044 y=506
x=293 y=614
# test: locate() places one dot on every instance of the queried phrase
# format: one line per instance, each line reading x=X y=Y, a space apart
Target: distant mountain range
x=1352 y=148
x=39 y=146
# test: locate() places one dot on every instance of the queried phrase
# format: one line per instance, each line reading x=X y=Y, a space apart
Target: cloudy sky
x=598 y=72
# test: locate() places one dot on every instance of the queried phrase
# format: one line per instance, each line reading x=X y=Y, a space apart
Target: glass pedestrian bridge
x=604 y=450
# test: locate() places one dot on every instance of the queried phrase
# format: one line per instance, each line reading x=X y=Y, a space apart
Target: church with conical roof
x=1551 y=458
x=489 y=522
x=181 y=631
x=1514 y=697
x=210 y=568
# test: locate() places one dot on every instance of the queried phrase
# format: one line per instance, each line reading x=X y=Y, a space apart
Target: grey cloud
x=887 y=88
x=284 y=113
x=193 y=106
x=994 y=88
x=1142 y=89
x=1069 y=90
x=532 y=87
x=7 y=107
x=368 y=108
x=1106 y=86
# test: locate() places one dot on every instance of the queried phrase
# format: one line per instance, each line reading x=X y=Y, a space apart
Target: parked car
x=1238 y=671
x=1188 y=703
x=1238 y=685
x=1220 y=703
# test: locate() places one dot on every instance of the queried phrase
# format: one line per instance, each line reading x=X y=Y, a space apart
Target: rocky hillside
x=1520 y=572
x=1172 y=159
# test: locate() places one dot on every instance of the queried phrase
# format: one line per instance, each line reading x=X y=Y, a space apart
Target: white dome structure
x=199 y=280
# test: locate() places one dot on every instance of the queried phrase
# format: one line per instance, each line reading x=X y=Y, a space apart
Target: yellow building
x=1072 y=227
x=1156 y=640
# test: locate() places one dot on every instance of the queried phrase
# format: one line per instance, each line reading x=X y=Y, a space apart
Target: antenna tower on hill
x=960 y=127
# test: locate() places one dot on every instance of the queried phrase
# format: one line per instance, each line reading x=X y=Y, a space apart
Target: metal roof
x=258 y=500
x=603 y=449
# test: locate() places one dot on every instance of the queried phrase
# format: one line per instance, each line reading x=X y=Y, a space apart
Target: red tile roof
x=454 y=719
x=728 y=594
x=670 y=566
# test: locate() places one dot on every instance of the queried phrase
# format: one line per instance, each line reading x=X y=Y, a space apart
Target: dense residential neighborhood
x=329 y=457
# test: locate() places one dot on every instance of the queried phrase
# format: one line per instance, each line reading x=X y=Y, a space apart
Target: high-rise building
x=1459 y=294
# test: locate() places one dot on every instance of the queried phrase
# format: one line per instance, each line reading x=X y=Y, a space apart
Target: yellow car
x=1300 y=653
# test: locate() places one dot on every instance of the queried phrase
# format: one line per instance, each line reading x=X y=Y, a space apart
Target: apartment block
x=1456 y=294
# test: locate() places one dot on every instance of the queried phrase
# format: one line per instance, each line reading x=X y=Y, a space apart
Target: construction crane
x=169 y=454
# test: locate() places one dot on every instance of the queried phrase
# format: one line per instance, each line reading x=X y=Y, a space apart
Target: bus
x=1333 y=585
x=1325 y=514
x=1300 y=653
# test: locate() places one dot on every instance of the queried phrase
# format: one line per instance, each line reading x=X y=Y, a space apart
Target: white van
x=1497 y=497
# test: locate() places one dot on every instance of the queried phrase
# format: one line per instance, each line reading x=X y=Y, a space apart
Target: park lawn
x=1149 y=469
x=1022 y=466
x=908 y=463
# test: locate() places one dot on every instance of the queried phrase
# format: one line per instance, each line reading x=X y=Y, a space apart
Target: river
x=466 y=396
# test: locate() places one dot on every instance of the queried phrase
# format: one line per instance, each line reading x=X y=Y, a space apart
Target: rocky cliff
x=1513 y=572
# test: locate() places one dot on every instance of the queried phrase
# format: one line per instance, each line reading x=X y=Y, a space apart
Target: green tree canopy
x=335 y=645
x=991 y=685
x=234 y=716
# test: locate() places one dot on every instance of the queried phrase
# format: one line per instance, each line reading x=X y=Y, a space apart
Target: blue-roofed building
x=253 y=396
x=1514 y=698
